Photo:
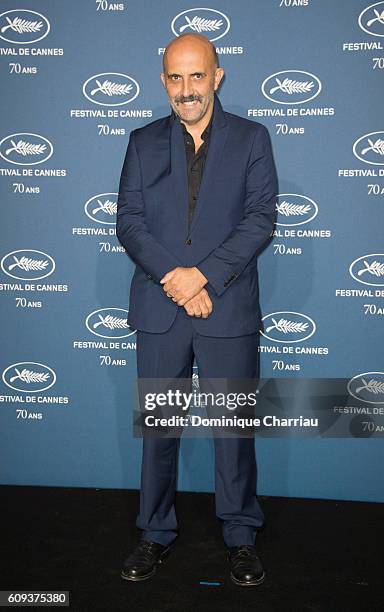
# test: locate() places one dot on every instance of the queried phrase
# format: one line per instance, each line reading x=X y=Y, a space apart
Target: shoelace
x=147 y=545
x=143 y=551
x=243 y=557
x=245 y=551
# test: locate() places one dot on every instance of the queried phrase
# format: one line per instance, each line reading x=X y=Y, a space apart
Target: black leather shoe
x=141 y=563
x=245 y=565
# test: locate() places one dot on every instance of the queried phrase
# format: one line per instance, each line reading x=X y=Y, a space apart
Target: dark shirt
x=195 y=165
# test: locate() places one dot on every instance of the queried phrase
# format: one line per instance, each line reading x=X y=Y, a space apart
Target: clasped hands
x=185 y=286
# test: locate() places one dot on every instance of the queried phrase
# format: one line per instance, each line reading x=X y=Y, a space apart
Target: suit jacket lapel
x=178 y=173
x=218 y=136
x=178 y=170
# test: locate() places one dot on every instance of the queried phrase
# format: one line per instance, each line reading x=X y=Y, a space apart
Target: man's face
x=190 y=79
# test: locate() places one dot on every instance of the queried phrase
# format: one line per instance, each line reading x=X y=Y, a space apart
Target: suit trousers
x=170 y=355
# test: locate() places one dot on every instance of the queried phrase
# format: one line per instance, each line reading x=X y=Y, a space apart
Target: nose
x=187 y=88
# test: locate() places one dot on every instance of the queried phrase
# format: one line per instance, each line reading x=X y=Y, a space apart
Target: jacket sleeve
x=131 y=228
x=227 y=261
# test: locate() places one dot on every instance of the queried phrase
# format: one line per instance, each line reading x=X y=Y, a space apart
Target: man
x=196 y=205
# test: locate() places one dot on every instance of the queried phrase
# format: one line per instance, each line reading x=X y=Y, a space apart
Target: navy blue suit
x=233 y=219
x=234 y=216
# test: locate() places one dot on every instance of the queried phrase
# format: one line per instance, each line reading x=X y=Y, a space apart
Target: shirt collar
x=205 y=134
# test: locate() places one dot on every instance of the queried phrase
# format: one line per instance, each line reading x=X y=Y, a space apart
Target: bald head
x=191 y=42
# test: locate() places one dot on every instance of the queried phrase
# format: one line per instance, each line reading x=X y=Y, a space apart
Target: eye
x=198 y=75
x=174 y=77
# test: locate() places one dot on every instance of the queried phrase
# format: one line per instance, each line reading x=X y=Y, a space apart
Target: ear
x=218 y=77
x=162 y=76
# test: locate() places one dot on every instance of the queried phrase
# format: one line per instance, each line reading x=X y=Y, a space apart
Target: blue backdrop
x=77 y=77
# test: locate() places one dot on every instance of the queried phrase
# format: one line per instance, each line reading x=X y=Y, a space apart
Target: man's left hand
x=182 y=284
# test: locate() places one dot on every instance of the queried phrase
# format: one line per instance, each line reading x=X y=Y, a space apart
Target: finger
x=205 y=311
x=168 y=276
x=170 y=286
x=208 y=303
x=182 y=301
x=170 y=291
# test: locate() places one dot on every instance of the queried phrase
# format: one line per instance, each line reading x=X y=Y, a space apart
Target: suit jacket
x=234 y=217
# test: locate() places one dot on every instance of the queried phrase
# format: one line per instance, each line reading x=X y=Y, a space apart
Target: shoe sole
x=245 y=584
x=147 y=576
x=138 y=579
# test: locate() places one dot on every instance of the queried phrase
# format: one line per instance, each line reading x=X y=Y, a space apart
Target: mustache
x=192 y=98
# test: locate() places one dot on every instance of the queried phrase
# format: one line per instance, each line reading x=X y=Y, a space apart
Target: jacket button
x=149 y=276
x=189 y=241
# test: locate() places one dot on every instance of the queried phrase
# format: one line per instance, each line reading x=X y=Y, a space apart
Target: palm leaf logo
x=110 y=208
x=290 y=86
x=372 y=386
x=109 y=88
x=198 y=24
x=379 y=17
x=110 y=322
x=375 y=268
x=27 y=264
x=21 y=26
x=288 y=327
x=29 y=376
x=26 y=148
x=377 y=147
x=288 y=210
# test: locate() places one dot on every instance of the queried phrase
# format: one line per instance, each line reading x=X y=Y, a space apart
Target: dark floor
x=319 y=555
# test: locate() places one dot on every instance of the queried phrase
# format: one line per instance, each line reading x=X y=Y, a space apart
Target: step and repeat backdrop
x=77 y=77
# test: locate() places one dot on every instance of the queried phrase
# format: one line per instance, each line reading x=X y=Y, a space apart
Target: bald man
x=196 y=205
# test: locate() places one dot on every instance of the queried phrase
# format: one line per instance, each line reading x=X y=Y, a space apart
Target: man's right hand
x=200 y=305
